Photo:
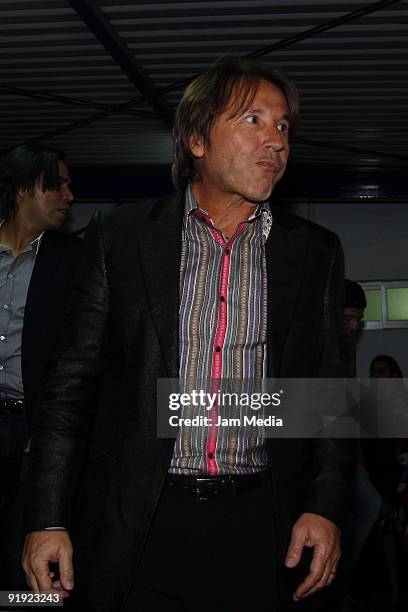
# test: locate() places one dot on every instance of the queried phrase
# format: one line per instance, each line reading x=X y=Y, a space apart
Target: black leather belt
x=205 y=488
x=11 y=406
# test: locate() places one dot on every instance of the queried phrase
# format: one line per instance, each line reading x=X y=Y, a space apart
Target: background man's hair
x=209 y=95
x=21 y=169
x=354 y=295
x=390 y=361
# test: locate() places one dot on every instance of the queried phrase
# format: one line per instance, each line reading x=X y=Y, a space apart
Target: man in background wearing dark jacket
x=36 y=266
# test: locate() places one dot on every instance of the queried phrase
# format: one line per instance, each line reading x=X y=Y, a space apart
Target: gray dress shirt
x=15 y=275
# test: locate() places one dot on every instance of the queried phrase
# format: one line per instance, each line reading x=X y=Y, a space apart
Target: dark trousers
x=215 y=554
x=13 y=440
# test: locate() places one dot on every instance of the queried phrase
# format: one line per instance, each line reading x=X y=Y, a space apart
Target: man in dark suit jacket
x=36 y=266
x=207 y=284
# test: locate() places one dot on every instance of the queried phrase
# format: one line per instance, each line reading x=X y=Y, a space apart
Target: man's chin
x=58 y=221
x=353 y=338
x=259 y=195
x=54 y=226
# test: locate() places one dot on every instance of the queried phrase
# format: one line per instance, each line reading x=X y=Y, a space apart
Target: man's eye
x=283 y=127
x=251 y=119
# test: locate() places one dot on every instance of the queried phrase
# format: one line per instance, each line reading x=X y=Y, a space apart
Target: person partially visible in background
x=365 y=504
x=37 y=262
x=353 y=313
x=386 y=460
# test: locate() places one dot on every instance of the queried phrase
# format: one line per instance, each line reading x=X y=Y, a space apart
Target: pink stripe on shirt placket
x=216 y=367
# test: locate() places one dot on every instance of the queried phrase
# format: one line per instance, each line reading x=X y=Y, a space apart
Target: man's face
x=47 y=209
x=352 y=318
x=247 y=154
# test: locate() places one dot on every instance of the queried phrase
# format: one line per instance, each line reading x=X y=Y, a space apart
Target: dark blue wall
x=311 y=183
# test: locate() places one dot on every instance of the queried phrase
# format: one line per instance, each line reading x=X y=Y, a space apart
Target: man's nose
x=68 y=195
x=354 y=324
x=275 y=139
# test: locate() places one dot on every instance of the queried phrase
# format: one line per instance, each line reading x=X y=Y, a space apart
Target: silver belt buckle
x=210 y=488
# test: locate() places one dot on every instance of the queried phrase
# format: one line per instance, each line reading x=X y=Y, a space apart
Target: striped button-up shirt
x=222 y=334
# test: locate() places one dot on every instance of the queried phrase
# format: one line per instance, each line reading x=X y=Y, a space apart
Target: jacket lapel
x=46 y=262
x=285 y=260
x=160 y=253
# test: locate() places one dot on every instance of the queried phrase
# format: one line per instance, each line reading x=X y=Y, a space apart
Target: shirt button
x=211 y=455
x=1 y=367
x=217 y=349
x=227 y=251
x=2 y=337
x=222 y=298
x=5 y=306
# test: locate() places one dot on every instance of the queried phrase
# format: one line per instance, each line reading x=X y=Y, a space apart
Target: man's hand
x=323 y=536
x=42 y=548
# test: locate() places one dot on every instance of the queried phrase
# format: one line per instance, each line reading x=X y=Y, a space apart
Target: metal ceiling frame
x=103 y=30
x=28 y=93
x=107 y=35
x=324 y=27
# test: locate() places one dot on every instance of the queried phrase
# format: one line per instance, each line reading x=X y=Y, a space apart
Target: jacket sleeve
x=68 y=399
x=336 y=457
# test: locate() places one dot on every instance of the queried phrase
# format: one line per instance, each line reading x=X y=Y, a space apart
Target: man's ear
x=196 y=144
x=23 y=194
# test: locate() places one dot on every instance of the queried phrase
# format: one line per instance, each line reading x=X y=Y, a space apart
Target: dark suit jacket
x=121 y=335
x=54 y=266
x=53 y=270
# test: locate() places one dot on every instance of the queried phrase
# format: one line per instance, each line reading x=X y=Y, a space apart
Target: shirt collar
x=263 y=209
x=34 y=244
x=190 y=203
